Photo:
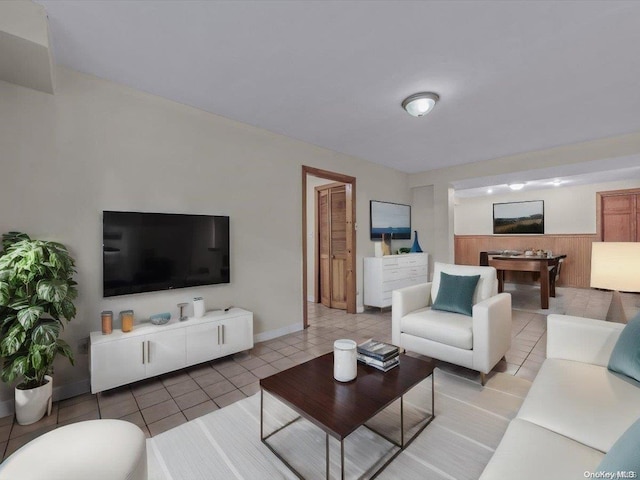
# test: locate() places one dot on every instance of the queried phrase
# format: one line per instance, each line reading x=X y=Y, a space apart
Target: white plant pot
x=32 y=404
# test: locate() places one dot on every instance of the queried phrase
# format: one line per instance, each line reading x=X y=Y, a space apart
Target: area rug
x=225 y=444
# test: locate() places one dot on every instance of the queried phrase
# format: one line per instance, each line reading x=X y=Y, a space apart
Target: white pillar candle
x=198 y=307
x=345 y=360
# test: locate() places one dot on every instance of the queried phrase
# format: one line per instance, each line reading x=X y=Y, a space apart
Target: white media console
x=149 y=350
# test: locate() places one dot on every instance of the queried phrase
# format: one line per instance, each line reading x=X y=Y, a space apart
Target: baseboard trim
x=71 y=390
x=271 y=334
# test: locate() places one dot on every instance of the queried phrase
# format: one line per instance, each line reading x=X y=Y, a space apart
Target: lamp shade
x=419 y=104
x=616 y=266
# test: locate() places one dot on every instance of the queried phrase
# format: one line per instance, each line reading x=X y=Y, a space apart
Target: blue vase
x=415 y=248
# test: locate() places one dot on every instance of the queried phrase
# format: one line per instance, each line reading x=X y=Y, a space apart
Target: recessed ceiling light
x=419 y=104
x=490 y=190
x=557 y=182
x=516 y=186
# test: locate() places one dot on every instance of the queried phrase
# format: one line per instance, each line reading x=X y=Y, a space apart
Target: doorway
x=347 y=251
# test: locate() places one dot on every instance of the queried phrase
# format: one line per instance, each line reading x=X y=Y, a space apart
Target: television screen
x=518 y=217
x=393 y=218
x=145 y=252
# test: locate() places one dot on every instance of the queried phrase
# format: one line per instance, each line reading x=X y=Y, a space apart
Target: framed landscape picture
x=390 y=218
x=518 y=218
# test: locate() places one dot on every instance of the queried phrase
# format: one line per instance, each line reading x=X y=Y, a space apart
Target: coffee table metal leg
x=402 y=421
x=326 y=447
x=342 y=459
x=433 y=396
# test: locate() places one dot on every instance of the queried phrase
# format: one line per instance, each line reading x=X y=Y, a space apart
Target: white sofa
x=477 y=342
x=575 y=410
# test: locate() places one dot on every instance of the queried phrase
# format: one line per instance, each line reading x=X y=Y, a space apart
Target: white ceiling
x=512 y=76
x=585 y=173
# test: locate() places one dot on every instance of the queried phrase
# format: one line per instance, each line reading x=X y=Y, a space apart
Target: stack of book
x=380 y=355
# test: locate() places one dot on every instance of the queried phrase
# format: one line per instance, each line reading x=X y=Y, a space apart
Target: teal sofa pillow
x=623 y=456
x=456 y=293
x=625 y=357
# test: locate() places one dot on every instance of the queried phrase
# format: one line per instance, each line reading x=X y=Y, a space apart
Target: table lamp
x=616 y=266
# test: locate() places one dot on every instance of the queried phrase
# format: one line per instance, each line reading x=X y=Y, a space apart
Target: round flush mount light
x=516 y=186
x=419 y=104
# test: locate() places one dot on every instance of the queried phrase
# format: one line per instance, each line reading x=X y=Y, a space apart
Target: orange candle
x=126 y=316
x=107 y=322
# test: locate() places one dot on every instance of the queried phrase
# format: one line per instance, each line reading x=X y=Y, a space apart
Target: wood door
x=324 y=247
x=338 y=246
x=332 y=245
x=620 y=216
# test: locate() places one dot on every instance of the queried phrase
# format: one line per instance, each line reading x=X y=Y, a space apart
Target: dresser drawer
x=397 y=273
x=410 y=260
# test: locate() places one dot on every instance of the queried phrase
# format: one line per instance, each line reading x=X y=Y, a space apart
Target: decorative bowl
x=160 y=318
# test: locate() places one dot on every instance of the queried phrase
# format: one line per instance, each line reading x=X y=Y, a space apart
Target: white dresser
x=382 y=275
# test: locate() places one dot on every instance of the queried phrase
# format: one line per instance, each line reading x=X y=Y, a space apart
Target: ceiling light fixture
x=419 y=104
x=516 y=186
x=557 y=183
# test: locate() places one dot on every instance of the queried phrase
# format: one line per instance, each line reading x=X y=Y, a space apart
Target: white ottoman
x=95 y=449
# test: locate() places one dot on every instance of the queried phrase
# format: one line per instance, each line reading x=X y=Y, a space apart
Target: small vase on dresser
x=415 y=248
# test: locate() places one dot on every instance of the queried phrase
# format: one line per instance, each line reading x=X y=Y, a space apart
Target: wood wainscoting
x=576 y=269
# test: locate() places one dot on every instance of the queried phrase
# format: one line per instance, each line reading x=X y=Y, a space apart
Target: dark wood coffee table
x=341 y=408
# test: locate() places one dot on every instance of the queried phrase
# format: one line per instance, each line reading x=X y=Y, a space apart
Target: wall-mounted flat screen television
x=393 y=218
x=518 y=217
x=146 y=252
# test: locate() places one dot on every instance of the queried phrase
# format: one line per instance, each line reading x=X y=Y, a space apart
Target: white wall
x=96 y=146
x=422 y=215
x=24 y=45
x=566 y=209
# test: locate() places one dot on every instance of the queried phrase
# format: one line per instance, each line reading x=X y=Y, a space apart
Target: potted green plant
x=36 y=294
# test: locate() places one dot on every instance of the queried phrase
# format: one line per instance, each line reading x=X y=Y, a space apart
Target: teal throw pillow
x=623 y=456
x=456 y=293
x=625 y=357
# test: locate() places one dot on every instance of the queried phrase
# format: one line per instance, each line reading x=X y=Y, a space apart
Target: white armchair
x=477 y=342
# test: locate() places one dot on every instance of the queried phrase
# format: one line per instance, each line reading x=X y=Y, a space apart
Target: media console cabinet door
x=165 y=351
x=203 y=342
x=117 y=363
x=217 y=339
x=237 y=335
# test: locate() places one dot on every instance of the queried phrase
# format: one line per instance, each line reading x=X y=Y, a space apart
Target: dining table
x=546 y=265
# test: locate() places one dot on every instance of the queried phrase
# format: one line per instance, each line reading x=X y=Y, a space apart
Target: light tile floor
x=159 y=404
